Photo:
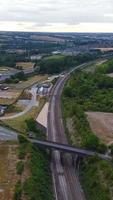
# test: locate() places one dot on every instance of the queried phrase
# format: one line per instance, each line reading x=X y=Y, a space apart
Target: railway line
x=66 y=182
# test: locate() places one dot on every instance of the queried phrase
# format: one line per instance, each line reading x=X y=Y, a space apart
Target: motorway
x=66 y=182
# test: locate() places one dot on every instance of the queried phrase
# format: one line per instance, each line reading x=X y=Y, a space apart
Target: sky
x=56 y=15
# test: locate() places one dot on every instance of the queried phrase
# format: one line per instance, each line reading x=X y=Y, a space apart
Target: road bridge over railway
x=69 y=149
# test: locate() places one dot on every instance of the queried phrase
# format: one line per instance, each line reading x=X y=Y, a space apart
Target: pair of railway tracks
x=66 y=182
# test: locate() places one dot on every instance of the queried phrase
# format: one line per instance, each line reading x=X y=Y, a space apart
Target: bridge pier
x=66 y=158
x=77 y=159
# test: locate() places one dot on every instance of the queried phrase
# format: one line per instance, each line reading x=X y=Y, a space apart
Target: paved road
x=69 y=149
x=6 y=134
x=32 y=103
x=66 y=182
x=13 y=72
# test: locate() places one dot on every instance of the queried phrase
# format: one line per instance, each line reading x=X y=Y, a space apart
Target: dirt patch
x=102 y=125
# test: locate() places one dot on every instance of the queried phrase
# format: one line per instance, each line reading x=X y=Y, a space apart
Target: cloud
x=44 y=12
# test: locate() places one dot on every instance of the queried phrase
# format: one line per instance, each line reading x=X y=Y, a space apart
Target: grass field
x=54 y=57
x=5 y=69
x=32 y=80
x=9 y=97
x=25 y=65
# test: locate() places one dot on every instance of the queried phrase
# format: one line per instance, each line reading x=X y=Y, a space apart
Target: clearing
x=102 y=125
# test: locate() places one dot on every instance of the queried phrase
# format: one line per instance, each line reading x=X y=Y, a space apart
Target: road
x=66 y=182
x=13 y=72
x=69 y=149
x=33 y=102
x=7 y=135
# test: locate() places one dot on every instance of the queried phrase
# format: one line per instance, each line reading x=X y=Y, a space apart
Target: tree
x=91 y=142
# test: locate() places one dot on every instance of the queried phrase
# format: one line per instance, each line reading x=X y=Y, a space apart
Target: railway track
x=66 y=182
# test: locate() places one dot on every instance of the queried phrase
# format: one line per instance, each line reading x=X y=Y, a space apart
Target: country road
x=32 y=103
x=7 y=134
x=66 y=182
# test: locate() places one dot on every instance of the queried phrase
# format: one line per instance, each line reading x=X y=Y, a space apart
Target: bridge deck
x=67 y=148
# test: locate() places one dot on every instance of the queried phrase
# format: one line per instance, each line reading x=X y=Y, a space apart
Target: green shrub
x=39 y=184
x=20 y=167
x=18 y=191
x=22 y=151
x=22 y=139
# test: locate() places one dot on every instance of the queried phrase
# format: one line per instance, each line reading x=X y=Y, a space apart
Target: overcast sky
x=57 y=15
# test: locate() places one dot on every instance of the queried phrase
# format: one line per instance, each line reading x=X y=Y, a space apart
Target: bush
x=91 y=142
x=39 y=184
x=22 y=139
x=20 y=167
x=18 y=191
x=22 y=151
x=31 y=125
x=102 y=148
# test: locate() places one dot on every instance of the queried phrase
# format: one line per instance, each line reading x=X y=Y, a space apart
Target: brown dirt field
x=8 y=176
x=47 y=38
x=102 y=125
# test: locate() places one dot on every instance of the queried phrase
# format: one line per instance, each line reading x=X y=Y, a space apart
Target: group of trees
x=9 y=60
x=57 y=64
x=39 y=183
x=20 y=76
x=83 y=92
x=106 y=68
x=92 y=92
